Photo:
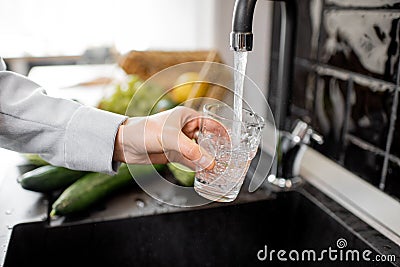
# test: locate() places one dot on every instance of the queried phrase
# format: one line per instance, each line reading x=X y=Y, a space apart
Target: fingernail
x=206 y=162
x=196 y=135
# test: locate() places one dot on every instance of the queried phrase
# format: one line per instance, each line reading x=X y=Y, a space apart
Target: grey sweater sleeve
x=61 y=131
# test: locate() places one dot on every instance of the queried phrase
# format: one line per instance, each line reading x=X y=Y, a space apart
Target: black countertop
x=20 y=206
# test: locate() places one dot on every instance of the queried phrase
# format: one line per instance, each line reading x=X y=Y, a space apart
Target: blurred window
x=59 y=28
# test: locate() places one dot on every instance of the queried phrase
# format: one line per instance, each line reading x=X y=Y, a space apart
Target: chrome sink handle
x=303 y=133
x=285 y=170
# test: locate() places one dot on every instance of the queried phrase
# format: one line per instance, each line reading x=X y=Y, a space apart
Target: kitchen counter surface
x=18 y=205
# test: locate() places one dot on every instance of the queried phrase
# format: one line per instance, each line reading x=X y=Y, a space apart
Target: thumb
x=193 y=152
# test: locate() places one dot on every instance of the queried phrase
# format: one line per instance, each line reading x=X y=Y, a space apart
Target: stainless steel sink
x=230 y=235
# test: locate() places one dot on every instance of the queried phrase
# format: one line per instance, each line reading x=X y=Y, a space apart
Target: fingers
x=214 y=127
x=178 y=128
x=159 y=158
x=204 y=124
x=173 y=156
x=190 y=121
x=186 y=114
x=195 y=153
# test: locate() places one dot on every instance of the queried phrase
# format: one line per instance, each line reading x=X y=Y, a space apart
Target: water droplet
x=387 y=247
x=8 y=212
x=140 y=203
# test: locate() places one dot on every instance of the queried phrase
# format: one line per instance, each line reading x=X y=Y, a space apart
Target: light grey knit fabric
x=63 y=132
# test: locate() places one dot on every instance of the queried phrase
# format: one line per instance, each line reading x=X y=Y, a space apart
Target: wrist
x=118 y=146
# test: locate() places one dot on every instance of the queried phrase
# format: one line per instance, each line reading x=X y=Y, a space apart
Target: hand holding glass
x=233 y=145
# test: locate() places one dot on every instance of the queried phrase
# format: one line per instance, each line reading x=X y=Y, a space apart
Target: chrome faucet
x=242 y=25
x=241 y=39
x=286 y=166
x=282 y=176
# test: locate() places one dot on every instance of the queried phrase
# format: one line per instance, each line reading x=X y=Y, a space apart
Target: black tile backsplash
x=392 y=184
x=364 y=4
x=370 y=113
x=345 y=82
x=363 y=41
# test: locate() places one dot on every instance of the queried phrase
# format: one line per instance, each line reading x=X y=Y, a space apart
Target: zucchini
x=49 y=178
x=94 y=187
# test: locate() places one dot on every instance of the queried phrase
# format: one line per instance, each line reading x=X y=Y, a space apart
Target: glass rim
x=260 y=120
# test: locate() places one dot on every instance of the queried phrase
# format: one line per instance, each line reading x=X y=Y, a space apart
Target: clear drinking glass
x=232 y=154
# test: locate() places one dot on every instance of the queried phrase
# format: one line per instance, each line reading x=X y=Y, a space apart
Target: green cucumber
x=96 y=186
x=183 y=174
x=49 y=178
x=35 y=159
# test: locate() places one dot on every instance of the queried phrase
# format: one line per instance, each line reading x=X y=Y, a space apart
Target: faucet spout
x=242 y=25
x=282 y=175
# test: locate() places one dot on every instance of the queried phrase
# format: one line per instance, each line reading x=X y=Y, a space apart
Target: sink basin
x=229 y=235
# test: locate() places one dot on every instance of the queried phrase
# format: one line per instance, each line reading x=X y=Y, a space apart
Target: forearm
x=63 y=132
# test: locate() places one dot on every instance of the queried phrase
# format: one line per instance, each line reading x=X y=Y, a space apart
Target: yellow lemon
x=188 y=86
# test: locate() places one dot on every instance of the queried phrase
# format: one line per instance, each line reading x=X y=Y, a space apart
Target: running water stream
x=240 y=62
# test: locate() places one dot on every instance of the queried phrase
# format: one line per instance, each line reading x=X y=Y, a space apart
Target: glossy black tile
x=370 y=113
x=362 y=41
x=395 y=149
x=386 y=4
x=346 y=65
